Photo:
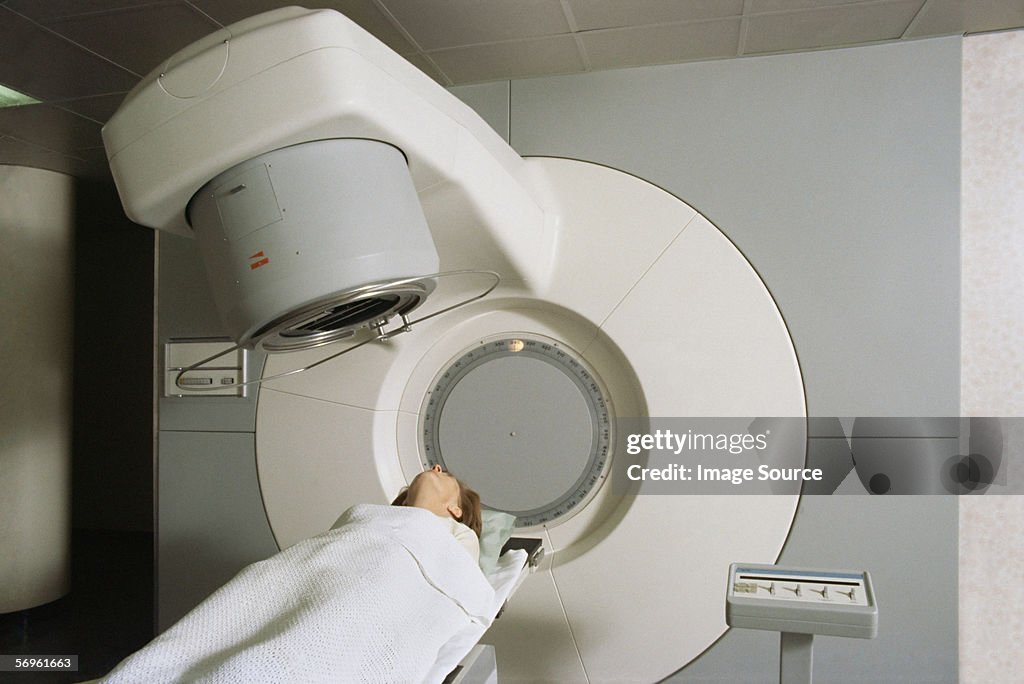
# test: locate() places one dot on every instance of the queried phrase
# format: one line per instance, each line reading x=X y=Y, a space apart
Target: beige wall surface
x=36 y=314
x=992 y=353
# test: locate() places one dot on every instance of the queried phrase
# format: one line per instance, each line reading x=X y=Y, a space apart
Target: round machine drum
x=300 y=243
x=649 y=311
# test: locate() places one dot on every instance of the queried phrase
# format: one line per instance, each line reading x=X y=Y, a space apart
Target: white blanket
x=369 y=601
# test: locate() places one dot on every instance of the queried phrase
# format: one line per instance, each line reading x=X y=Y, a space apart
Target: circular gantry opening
x=525 y=421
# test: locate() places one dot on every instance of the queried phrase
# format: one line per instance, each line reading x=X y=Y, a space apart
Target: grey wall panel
x=186 y=310
x=211 y=521
x=835 y=172
x=210 y=414
x=910 y=547
x=490 y=101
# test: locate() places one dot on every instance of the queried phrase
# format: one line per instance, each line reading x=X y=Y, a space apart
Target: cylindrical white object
x=36 y=228
x=207 y=109
x=288 y=235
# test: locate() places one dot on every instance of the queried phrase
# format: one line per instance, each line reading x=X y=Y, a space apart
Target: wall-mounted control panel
x=800 y=600
x=218 y=378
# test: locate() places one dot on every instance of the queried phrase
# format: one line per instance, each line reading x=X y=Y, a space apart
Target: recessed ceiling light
x=12 y=98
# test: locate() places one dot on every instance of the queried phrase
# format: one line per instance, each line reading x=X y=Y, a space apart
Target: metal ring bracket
x=377 y=325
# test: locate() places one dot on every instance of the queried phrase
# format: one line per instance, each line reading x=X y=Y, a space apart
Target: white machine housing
x=290 y=85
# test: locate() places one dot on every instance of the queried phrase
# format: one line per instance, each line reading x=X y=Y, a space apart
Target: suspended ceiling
x=80 y=57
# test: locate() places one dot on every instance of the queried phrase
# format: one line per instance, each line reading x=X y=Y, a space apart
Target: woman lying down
x=371 y=600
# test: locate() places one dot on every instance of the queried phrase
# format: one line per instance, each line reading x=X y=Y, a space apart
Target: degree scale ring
x=523 y=420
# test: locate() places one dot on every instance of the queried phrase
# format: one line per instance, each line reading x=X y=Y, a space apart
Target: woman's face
x=436 y=491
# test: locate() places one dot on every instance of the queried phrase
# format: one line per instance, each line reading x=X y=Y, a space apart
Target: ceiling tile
x=229 y=11
x=40 y=63
x=449 y=23
x=368 y=15
x=156 y=31
x=93 y=155
x=363 y=12
x=829 y=26
x=99 y=108
x=50 y=127
x=19 y=153
x=92 y=163
x=56 y=9
x=661 y=44
x=942 y=17
x=517 y=59
x=596 y=14
x=758 y=6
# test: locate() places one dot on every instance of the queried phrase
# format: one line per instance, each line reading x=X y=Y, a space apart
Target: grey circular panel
x=525 y=422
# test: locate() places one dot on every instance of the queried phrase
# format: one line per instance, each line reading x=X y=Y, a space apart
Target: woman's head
x=443 y=494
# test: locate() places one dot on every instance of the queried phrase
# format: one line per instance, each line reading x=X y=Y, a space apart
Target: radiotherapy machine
x=340 y=197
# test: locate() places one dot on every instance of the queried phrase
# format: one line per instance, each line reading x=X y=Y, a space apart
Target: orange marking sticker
x=262 y=261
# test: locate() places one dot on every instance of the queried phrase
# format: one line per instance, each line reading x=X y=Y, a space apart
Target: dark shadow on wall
x=107 y=616
x=112 y=442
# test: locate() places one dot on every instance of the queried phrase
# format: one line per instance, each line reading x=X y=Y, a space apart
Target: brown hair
x=469 y=502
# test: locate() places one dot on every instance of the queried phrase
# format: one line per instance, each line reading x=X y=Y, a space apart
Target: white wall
x=36 y=319
x=992 y=366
